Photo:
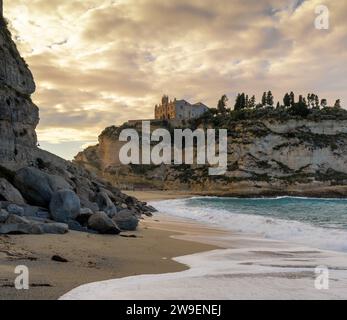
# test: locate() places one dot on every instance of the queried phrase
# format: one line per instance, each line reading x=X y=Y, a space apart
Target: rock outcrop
x=40 y=192
x=266 y=157
x=19 y=116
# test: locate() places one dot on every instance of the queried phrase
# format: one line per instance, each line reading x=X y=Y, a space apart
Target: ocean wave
x=267 y=227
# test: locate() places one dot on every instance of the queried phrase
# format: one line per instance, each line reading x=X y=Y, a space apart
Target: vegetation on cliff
x=246 y=108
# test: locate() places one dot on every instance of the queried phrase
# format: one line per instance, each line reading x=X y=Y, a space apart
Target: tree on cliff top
x=286 y=100
x=241 y=102
x=300 y=109
x=222 y=103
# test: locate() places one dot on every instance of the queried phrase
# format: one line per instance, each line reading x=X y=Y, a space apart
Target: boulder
x=20 y=225
x=89 y=204
x=3 y=215
x=126 y=220
x=86 y=211
x=102 y=223
x=76 y=226
x=84 y=216
x=37 y=187
x=105 y=204
x=25 y=228
x=14 y=209
x=64 y=206
x=15 y=219
x=44 y=214
x=54 y=228
x=9 y=193
x=39 y=220
x=130 y=201
x=33 y=211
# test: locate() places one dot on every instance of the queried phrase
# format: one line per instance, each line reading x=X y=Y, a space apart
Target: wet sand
x=90 y=258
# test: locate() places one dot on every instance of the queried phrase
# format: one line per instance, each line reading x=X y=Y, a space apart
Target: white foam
x=270 y=228
x=255 y=270
x=224 y=274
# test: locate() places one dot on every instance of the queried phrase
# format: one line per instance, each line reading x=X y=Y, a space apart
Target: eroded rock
x=3 y=215
x=105 y=204
x=102 y=223
x=64 y=206
x=126 y=220
x=37 y=186
x=9 y=193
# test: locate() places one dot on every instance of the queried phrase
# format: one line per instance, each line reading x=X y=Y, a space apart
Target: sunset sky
x=101 y=62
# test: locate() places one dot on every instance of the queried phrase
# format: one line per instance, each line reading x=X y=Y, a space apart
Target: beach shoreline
x=164 y=245
x=242 y=266
x=91 y=257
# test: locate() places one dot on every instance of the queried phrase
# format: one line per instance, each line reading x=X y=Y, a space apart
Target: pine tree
x=310 y=99
x=242 y=101
x=324 y=103
x=222 y=103
x=287 y=100
x=252 y=102
x=264 y=100
x=300 y=108
x=237 y=103
x=337 y=104
x=270 y=99
x=292 y=99
x=316 y=101
x=278 y=105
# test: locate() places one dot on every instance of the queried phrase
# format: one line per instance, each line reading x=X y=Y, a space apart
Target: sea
x=320 y=223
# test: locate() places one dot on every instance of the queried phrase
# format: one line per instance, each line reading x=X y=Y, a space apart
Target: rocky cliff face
x=19 y=116
x=265 y=157
x=40 y=192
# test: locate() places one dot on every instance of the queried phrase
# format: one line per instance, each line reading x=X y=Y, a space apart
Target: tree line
x=299 y=107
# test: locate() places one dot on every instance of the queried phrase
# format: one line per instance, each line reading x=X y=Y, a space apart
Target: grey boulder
x=105 y=204
x=37 y=187
x=126 y=220
x=9 y=193
x=85 y=214
x=64 y=206
x=20 y=225
x=14 y=209
x=102 y=223
x=76 y=226
x=3 y=215
x=21 y=228
x=14 y=219
x=54 y=228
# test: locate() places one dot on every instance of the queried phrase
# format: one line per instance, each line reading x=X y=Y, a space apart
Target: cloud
x=99 y=63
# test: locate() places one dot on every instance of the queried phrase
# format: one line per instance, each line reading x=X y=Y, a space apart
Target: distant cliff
x=266 y=156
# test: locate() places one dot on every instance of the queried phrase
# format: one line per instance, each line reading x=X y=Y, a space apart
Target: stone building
x=178 y=109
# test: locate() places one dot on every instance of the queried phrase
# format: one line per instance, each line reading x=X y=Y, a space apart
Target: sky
x=98 y=63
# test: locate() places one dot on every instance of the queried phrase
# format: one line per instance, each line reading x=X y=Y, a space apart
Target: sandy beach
x=256 y=268
x=242 y=265
x=91 y=257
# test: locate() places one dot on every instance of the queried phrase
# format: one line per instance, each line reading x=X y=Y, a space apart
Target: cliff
x=40 y=192
x=266 y=156
x=19 y=116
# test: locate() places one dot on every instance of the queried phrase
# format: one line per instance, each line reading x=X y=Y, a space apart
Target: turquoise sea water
x=326 y=213
x=321 y=223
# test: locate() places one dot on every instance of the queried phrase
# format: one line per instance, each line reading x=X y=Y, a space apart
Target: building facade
x=178 y=110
